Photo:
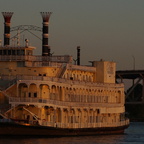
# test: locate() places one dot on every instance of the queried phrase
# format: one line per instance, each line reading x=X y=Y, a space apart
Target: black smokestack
x=45 y=46
x=7 y=17
x=78 y=55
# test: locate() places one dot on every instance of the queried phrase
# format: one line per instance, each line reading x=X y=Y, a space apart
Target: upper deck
x=26 y=54
x=30 y=58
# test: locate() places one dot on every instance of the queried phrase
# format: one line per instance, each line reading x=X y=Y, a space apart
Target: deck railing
x=24 y=78
x=85 y=125
x=49 y=102
x=64 y=58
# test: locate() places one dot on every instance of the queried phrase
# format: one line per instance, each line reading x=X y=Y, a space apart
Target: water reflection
x=109 y=139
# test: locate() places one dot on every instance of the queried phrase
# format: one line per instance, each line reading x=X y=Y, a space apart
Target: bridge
x=137 y=77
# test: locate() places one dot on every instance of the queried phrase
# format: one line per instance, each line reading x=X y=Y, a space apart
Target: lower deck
x=62 y=117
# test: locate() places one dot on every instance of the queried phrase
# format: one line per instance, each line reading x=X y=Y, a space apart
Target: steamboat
x=48 y=95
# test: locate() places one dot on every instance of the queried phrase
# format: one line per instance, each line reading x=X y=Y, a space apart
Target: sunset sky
x=111 y=30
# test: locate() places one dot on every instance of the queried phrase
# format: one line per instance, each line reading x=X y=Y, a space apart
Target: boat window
x=71 y=78
x=13 y=52
x=29 y=94
x=4 y=52
x=35 y=95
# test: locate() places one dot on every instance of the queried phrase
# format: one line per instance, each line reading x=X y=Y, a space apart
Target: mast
x=78 y=55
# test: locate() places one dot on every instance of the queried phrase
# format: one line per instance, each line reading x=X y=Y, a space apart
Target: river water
x=133 y=135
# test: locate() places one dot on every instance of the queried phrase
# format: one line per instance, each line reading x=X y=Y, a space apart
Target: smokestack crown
x=46 y=16
x=7 y=16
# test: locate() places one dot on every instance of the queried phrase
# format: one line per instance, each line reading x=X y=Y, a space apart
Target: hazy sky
x=112 y=30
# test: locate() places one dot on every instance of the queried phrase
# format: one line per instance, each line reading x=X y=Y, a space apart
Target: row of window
x=12 y=52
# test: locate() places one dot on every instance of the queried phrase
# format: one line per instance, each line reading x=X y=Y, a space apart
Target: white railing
x=42 y=64
x=84 y=68
x=57 y=103
x=60 y=80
